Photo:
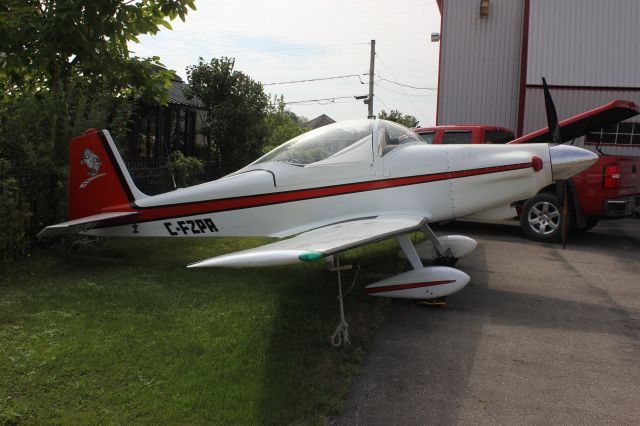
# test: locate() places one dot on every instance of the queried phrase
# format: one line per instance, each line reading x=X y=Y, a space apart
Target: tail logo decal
x=93 y=163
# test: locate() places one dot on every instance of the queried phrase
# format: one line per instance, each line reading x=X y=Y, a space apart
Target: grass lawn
x=127 y=335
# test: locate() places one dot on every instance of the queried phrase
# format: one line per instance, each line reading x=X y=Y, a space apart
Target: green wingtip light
x=311 y=256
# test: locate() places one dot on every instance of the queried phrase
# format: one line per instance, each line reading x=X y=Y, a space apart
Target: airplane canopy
x=338 y=140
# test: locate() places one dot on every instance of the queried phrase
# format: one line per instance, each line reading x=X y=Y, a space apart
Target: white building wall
x=584 y=43
x=480 y=63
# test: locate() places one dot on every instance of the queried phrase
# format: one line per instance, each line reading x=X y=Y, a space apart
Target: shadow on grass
x=306 y=379
x=126 y=334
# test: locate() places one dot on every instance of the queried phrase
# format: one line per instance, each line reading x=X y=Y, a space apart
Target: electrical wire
x=407 y=85
x=317 y=79
x=431 y=95
x=266 y=50
x=404 y=91
x=319 y=100
x=326 y=103
x=379 y=99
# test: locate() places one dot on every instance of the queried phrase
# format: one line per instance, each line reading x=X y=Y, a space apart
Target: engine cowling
x=426 y=283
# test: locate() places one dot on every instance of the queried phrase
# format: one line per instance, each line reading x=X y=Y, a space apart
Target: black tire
x=541 y=218
x=590 y=222
x=446 y=261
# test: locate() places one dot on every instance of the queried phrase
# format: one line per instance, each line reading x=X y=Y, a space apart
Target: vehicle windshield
x=321 y=143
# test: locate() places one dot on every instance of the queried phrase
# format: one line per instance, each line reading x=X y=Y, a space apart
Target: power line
x=265 y=50
x=407 y=85
x=332 y=102
x=431 y=95
x=317 y=79
x=402 y=88
x=319 y=100
x=382 y=102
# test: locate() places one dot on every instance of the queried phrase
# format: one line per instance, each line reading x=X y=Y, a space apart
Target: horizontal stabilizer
x=82 y=224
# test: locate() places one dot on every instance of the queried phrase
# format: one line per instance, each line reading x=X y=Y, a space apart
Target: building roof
x=177 y=96
x=319 y=121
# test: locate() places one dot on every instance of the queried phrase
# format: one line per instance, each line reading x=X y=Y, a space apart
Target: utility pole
x=369 y=100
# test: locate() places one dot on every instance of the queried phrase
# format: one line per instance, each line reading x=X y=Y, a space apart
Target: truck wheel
x=541 y=218
x=590 y=223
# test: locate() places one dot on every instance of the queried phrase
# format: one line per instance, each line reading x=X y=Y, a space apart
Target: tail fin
x=98 y=179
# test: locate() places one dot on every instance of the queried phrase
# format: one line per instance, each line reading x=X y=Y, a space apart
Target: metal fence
x=30 y=198
x=153 y=176
x=33 y=199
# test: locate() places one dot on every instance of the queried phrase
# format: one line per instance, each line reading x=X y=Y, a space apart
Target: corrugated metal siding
x=480 y=65
x=570 y=102
x=584 y=43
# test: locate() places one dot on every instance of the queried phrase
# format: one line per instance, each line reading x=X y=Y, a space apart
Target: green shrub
x=14 y=215
x=184 y=169
x=35 y=129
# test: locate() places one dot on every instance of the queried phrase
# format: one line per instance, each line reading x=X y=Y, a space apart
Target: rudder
x=98 y=179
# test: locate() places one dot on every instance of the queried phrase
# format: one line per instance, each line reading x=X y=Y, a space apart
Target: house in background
x=157 y=130
x=493 y=54
x=319 y=121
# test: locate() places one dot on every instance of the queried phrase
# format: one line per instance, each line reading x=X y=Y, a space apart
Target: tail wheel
x=541 y=218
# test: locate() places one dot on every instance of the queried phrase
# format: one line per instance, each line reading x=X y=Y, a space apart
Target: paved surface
x=539 y=336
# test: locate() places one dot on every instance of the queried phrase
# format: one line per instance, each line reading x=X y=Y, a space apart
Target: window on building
x=617 y=134
x=456 y=137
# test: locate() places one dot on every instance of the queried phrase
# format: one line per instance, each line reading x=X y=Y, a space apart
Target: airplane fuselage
x=439 y=182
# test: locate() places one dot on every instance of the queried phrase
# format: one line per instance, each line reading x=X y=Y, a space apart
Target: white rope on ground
x=341 y=335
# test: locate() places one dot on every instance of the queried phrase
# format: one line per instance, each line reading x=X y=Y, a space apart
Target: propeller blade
x=552 y=116
x=565 y=214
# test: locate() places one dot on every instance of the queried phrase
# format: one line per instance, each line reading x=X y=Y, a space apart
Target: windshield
x=320 y=143
x=393 y=135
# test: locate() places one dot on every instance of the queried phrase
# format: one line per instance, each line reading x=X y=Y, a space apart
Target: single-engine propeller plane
x=338 y=187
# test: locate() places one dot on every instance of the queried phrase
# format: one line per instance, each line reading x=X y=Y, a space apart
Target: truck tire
x=541 y=218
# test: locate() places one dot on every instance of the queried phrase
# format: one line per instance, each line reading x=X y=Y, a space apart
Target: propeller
x=561 y=184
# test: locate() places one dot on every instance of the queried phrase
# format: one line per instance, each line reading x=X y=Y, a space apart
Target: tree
x=236 y=107
x=398 y=117
x=282 y=124
x=50 y=42
x=65 y=67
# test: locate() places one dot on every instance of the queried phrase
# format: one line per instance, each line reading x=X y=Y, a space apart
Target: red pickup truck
x=609 y=189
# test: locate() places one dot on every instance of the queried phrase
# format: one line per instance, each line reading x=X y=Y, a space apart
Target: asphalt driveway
x=541 y=335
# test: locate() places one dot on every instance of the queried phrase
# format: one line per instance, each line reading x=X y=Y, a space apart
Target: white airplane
x=338 y=187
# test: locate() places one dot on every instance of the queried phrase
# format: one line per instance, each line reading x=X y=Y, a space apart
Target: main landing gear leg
x=445 y=255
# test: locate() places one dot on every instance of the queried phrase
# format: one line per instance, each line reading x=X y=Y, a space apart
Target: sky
x=290 y=40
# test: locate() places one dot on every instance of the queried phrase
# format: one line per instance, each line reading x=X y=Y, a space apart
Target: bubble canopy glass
x=339 y=138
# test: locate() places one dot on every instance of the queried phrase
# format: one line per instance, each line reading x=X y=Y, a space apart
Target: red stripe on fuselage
x=396 y=287
x=147 y=214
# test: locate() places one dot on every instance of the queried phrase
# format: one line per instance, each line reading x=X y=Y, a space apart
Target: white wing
x=317 y=243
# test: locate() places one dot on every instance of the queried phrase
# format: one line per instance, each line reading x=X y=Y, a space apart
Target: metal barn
x=493 y=54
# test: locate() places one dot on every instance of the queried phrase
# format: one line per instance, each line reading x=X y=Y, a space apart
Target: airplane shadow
x=608 y=234
x=423 y=358
x=300 y=365
x=419 y=369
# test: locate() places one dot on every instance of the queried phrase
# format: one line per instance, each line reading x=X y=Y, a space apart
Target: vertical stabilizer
x=98 y=179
